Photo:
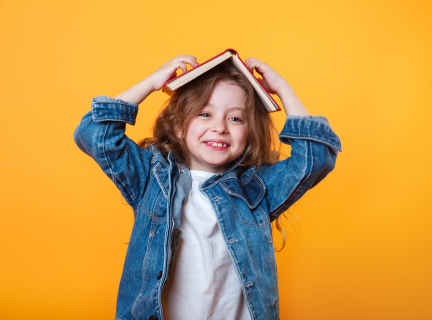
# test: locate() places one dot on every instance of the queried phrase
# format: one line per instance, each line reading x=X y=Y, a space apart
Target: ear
x=178 y=132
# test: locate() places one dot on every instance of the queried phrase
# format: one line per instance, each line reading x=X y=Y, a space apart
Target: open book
x=171 y=85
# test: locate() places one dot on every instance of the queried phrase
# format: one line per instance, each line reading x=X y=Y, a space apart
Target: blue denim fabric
x=245 y=199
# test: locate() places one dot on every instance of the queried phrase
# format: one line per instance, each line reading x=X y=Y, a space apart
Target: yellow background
x=363 y=249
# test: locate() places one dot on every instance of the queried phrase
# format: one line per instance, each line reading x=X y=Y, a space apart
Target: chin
x=218 y=164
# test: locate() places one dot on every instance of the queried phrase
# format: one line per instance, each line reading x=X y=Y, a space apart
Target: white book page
x=268 y=102
x=198 y=71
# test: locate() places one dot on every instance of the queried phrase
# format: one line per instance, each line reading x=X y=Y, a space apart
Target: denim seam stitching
x=139 y=207
x=148 y=188
x=156 y=155
x=152 y=216
x=158 y=200
x=115 y=103
x=109 y=166
x=261 y=187
x=112 y=119
x=163 y=161
x=309 y=136
x=297 y=188
x=151 y=235
x=237 y=195
x=217 y=182
x=265 y=224
x=236 y=267
x=317 y=139
x=251 y=206
x=156 y=170
x=128 y=115
x=241 y=220
x=247 y=179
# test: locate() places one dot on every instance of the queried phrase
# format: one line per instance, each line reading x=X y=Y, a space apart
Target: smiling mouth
x=216 y=144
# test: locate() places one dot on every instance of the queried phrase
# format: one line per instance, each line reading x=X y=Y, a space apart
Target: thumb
x=264 y=83
x=173 y=75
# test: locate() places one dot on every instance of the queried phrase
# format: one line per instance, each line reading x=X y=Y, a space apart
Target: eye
x=204 y=114
x=235 y=119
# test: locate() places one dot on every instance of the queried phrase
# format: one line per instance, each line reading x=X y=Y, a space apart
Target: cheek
x=193 y=134
x=188 y=140
x=240 y=138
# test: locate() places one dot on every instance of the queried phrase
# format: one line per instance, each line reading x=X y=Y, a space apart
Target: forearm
x=101 y=135
x=290 y=102
x=314 y=149
x=137 y=93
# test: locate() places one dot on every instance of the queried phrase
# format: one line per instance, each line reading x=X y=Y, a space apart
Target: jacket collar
x=181 y=165
x=242 y=176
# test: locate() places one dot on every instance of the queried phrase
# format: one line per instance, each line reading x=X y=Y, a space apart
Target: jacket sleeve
x=101 y=135
x=314 y=148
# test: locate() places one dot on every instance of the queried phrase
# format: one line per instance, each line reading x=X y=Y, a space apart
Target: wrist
x=285 y=91
x=147 y=85
x=138 y=92
x=290 y=102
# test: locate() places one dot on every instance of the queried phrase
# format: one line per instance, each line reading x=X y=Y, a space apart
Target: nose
x=219 y=126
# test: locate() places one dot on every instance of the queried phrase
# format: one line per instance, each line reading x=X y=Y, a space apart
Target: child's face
x=217 y=136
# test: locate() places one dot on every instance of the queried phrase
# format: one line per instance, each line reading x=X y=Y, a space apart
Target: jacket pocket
x=256 y=217
x=154 y=203
x=251 y=191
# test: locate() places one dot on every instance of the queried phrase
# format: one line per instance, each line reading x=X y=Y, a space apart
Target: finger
x=191 y=60
x=183 y=67
x=248 y=64
x=251 y=59
x=192 y=63
x=253 y=63
x=265 y=85
x=174 y=65
x=186 y=55
x=189 y=56
x=257 y=65
x=173 y=75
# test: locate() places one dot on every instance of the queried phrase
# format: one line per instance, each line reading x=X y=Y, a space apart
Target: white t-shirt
x=203 y=283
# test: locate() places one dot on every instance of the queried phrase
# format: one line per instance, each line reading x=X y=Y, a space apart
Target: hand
x=271 y=80
x=168 y=70
x=275 y=84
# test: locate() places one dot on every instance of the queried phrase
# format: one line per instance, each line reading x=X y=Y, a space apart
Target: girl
x=205 y=190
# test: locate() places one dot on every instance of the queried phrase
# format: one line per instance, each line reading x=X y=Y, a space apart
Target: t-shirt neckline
x=201 y=174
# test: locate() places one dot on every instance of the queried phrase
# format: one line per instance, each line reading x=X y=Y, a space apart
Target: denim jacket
x=245 y=200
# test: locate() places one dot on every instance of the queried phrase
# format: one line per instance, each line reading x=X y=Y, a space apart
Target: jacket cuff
x=315 y=128
x=111 y=109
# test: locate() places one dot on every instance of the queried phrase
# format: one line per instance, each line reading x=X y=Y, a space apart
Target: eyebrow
x=240 y=108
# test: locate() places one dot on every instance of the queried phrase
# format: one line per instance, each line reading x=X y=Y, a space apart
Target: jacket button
x=158 y=277
x=153 y=318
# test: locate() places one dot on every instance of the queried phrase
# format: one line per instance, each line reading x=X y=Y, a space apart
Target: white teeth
x=215 y=144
